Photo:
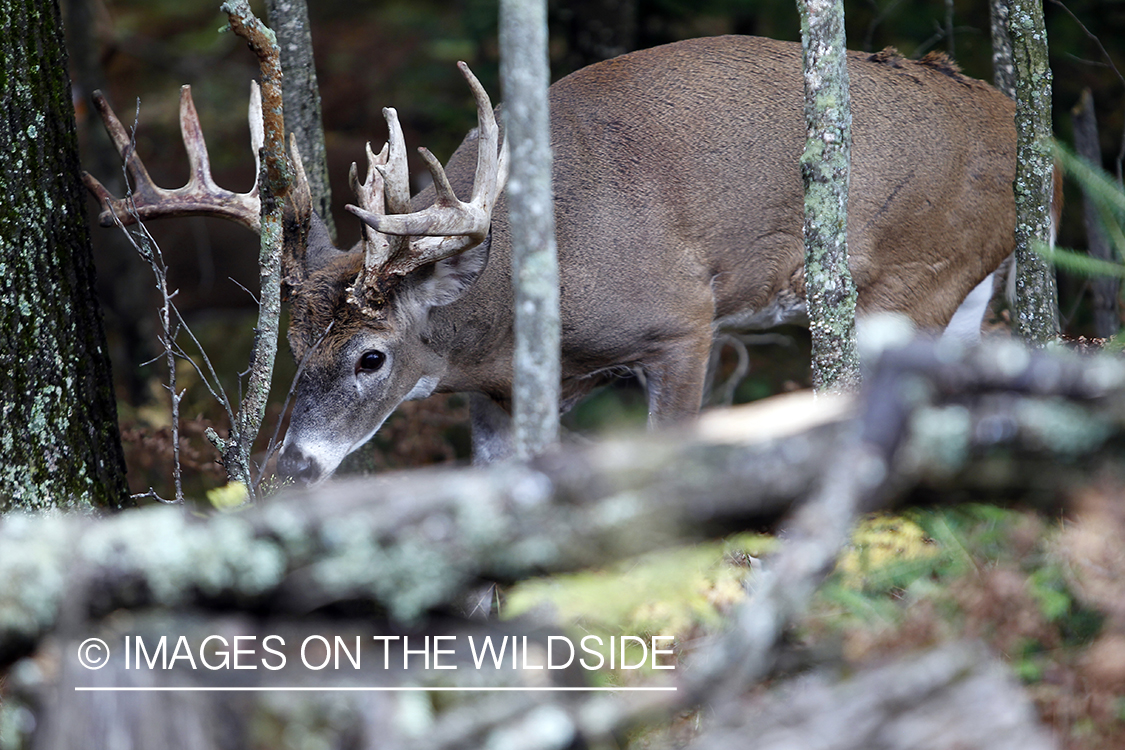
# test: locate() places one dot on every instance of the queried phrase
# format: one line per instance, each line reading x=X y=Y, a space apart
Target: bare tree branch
x=274 y=183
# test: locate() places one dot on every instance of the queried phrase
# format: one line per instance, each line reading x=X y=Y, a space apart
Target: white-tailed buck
x=678 y=207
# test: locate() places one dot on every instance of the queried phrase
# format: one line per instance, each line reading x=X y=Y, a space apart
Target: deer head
x=357 y=315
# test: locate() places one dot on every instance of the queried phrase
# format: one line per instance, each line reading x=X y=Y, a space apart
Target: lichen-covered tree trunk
x=825 y=164
x=59 y=441
x=524 y=77
x=1036 y=313
x=289 y=19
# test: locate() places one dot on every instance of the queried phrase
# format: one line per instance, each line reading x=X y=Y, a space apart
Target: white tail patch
x=965 y=324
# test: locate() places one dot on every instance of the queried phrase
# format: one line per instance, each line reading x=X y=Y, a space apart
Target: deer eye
x=370 y=361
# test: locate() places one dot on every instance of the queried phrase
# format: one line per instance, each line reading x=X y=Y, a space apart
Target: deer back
x=679 y=203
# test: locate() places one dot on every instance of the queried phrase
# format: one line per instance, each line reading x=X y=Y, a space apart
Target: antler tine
x=134 y=167
x=396 y=173
x=258 y=133
x=492 y=167
x=199 y=197
x=371 y=195
x=191 y=132
x=301 y=183
x=450 y=226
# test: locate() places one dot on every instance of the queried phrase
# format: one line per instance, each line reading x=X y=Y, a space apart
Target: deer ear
x=319 y=250
x=453 y=276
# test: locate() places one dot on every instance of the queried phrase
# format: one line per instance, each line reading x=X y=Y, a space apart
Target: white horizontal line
x=371 y=689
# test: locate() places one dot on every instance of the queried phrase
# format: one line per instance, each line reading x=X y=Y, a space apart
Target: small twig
x=150 y=251
x=939 y=34
x=152 y=494
x=740 y=343
x=222 y=394
x=882 y=13
x=238 y=284
x=741 y=369
x=148 y=362
x=1084 y=61
x=949 y=27
x=202 y=375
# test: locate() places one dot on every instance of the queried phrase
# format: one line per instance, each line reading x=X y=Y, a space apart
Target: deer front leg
x=491 y=430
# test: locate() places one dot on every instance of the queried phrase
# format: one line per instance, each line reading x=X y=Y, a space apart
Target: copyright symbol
x=93 y=653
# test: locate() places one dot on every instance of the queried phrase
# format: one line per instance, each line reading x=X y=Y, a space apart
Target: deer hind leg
x=675 y=381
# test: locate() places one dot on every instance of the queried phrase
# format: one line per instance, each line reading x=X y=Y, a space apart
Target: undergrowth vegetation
x=1049 y=596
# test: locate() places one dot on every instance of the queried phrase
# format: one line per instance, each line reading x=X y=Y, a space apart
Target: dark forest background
x=401 y=53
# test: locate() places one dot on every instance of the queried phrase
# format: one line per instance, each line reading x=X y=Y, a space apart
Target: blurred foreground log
x=404 y=551
x=957 y=696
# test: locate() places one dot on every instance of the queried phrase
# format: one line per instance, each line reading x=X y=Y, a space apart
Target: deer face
x=345 y=394
x=359 y=319
x=359 y=363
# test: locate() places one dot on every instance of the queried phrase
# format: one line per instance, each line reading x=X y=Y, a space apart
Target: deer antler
x=386 y=188
x=449 y=226
x=200 y=196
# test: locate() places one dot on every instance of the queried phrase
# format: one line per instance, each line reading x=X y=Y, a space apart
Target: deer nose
x=294 y=464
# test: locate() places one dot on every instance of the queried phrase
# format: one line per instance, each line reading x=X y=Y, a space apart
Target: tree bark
x=524 y=76
x=289 y=19
x=124 y=285
x=1003 y=67
x=59 y=440
x=1107 y=318
x=1036 y=313
x=825 y=165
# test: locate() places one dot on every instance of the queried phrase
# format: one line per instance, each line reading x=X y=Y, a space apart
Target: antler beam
x=200 y=196
x=449 y=226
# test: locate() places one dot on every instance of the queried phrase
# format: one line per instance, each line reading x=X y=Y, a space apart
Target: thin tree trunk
x=59 y=441
x=825 y=166
x=274 y=183
x=1107 y=319
x=1003 y=67
x=1036 y=313
x=524 y=76
x=289 y=19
